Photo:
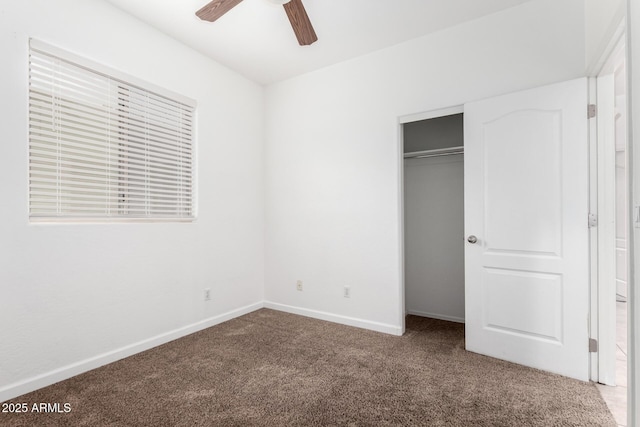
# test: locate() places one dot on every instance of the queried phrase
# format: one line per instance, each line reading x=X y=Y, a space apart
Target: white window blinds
x=102 y=148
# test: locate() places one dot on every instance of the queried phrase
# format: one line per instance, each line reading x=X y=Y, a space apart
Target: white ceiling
x=256 y=39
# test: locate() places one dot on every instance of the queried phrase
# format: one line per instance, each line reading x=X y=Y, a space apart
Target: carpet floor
x=269 y=368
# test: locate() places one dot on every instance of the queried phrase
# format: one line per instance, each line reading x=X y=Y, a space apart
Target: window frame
x=129 y=81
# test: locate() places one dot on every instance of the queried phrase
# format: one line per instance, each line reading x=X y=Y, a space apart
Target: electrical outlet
x=347 y=292
x=299 y=285
x=207 y=294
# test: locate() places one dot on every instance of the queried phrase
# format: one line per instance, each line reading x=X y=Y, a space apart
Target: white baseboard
x=14 y=390
x=17 y=389
x=436 y=316
x=336 y=318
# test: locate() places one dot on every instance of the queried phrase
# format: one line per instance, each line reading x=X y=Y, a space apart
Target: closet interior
x=434 y=217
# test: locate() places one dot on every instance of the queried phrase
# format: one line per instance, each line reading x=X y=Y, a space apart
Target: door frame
x=604 y=239
x=603 y=235
x=426 y=115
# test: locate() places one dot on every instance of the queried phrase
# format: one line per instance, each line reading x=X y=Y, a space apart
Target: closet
x=434 y=217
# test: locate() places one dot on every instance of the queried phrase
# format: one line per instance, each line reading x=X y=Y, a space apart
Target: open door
x=526 y=222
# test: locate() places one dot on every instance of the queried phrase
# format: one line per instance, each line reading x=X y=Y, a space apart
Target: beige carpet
x=276 y=369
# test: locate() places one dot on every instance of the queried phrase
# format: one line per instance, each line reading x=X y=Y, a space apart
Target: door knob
x=472 y=239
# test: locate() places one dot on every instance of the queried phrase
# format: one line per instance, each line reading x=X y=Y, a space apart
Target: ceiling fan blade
x=300 y=22
x=215 y=9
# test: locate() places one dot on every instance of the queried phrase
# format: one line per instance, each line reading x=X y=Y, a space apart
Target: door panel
x=526 y=201
x=511 y=203
x=525 y=291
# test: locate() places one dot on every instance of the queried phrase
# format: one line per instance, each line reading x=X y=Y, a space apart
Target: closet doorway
x=434 y=217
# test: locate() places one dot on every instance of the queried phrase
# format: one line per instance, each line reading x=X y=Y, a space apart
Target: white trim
x=603 y=237
x=336 y=318
x=48 y=220
x=402 y=120
x=616 y=57
x=401 y=291
x=436 y=316
x=593 y=235
x=449 y=111
x=17 y=389
x=606 y=247
x=614 y=35
x=633 y=133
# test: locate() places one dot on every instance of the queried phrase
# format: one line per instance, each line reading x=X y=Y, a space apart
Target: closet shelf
x=434 y=153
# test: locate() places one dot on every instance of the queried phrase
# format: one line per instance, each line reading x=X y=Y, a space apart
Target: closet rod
x=434 y=153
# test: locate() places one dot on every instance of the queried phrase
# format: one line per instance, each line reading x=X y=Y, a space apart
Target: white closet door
x=526 y=203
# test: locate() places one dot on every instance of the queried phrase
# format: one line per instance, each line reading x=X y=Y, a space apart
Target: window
x=102 y=148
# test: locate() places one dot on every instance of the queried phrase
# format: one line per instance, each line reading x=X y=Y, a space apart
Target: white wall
x=75 y=296
x=333 y=185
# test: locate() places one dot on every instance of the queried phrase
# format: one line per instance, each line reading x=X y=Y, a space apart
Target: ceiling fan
x=294 y=8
